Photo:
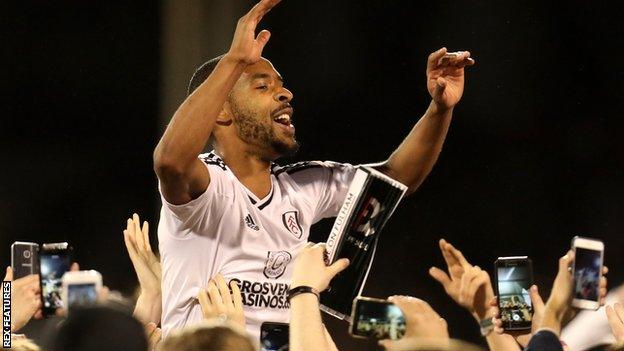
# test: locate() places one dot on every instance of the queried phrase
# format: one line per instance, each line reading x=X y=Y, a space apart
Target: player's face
x=262 y=113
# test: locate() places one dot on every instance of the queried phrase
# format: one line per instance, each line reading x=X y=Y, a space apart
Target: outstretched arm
x=181 y=174
x=470 y=287
x=412 y=161
x=147 y=267
x=307 y=332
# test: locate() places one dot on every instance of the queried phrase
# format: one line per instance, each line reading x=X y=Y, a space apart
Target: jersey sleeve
x=205 y=210
x=325 y=184
x=338 y=180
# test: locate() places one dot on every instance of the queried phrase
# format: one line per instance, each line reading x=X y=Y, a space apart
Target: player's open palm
x=217 y=301
x=445 y=76
x=246 y=46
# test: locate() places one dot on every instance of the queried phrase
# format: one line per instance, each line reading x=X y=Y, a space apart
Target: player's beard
x=251 y=130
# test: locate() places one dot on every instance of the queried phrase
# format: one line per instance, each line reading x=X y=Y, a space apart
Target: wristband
x=302 y=290
x=486 y=326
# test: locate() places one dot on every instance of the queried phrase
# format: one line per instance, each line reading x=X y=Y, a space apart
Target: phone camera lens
x=26 y=254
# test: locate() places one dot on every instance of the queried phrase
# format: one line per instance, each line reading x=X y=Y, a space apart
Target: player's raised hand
x=246 y=46
x=445 y=76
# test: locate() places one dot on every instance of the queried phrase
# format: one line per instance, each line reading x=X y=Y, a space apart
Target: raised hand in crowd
x=307 y=331
x=559 y=302
x=311 y=270
x=546 y=336
x=539 y=306
x=557 y=307
x=560 y=296
x=471 y=287
x=468 y=285
x=25 y=298
x=217 y=302
x=147 y=267
x=423 y=325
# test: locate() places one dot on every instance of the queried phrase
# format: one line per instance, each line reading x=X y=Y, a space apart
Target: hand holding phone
x=81 y=288
x=514 y=277
x=25 y=299
x=587 y=271
x=55 y=261
x=421 y=322
x=376 y=319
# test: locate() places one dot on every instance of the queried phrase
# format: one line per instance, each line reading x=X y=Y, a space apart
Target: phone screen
x=587 y=266
x=53 y=266
x=514 y=301
x=274 y=336
x=378 y=320
x=81 y=295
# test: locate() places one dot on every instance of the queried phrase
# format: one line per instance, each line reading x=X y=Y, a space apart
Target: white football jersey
x=252 y=241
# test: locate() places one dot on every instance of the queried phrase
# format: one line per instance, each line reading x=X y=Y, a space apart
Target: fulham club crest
x=276 y=263
x=291 y=222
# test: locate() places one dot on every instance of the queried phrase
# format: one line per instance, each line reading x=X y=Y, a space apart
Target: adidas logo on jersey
x=250 y=222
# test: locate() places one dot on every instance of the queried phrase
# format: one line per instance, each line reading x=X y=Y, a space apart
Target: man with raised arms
x=235 y=215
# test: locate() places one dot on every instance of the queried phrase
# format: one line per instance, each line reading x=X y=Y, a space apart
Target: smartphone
x=274 y=336
x=514 y=277
x=587 y=270
x=376 y=319
x=55 y=261
x=24 y=259
x=447 y=58
x=80 y=288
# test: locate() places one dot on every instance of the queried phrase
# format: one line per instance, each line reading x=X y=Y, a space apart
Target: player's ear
x=225 y=116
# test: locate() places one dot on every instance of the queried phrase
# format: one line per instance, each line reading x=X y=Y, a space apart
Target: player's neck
x=250 y=169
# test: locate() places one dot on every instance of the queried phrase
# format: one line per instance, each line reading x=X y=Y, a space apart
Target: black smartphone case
x=506 y=262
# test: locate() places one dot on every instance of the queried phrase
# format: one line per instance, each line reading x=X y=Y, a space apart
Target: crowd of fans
x=113 y=324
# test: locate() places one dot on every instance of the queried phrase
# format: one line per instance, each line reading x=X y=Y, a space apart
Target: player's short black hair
x=202 y=73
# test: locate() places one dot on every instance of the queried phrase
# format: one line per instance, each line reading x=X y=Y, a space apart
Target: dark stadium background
x=534 y=155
